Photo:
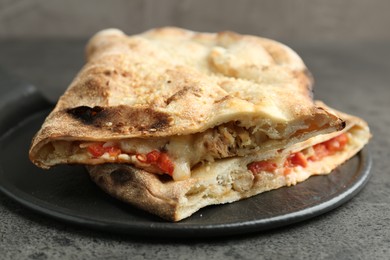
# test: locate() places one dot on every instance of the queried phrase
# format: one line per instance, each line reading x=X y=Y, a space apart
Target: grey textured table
x=355 y=79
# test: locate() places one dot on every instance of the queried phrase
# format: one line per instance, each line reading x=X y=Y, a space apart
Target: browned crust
x=171 y=81
x=142 y=189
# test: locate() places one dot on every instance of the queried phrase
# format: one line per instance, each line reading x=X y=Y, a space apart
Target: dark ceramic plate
x=67 y=194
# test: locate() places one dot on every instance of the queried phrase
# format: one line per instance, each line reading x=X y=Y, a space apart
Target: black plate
x=66 y=193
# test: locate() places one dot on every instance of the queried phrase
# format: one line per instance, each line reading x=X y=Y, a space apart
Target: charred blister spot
x=176 y=95
x=159 y=124
x=122 y=119
x=185 y=91
x=343 y=124
x=150 y=121
x=87 y=114
x=121 y=176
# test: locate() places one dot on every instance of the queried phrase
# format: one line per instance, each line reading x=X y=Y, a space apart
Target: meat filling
x=230 y=140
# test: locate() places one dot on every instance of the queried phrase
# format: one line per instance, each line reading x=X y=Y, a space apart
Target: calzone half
x=232 y=179
x=171 y=102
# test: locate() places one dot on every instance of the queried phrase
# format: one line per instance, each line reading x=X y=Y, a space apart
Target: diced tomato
x=97 y=150
x=165 y=164
x=320 y=151
x=329 y=147
x=153 y=156
x=296 y=159
x=159 y=159
x=336 y=143
x=257 y=167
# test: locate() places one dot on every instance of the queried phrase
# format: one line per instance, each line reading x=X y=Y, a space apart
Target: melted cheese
x=183 y=154
x=184 y=151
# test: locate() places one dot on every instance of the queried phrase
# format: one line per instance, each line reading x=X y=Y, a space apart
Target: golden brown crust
x=142 y=189
x=171 y=81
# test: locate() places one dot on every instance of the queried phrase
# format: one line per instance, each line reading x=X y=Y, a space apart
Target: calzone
x=173 y=120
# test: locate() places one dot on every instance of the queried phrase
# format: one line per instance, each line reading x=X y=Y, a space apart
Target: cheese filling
x=183 y=152
x=175 y=155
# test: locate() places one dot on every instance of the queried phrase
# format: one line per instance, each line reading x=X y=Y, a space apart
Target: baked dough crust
x=170 y=81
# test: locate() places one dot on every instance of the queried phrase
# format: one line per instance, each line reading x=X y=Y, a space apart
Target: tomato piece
x=343 y=139
x=336 y=143
x=159 y=159
x=320 y=151
x=257 y=167
x=329 y=147
x=153 y=156
x=297 y=159
x=96 y=149
x=165 y=164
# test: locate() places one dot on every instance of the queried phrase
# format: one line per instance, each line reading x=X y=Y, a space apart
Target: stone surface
x=353 y=78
